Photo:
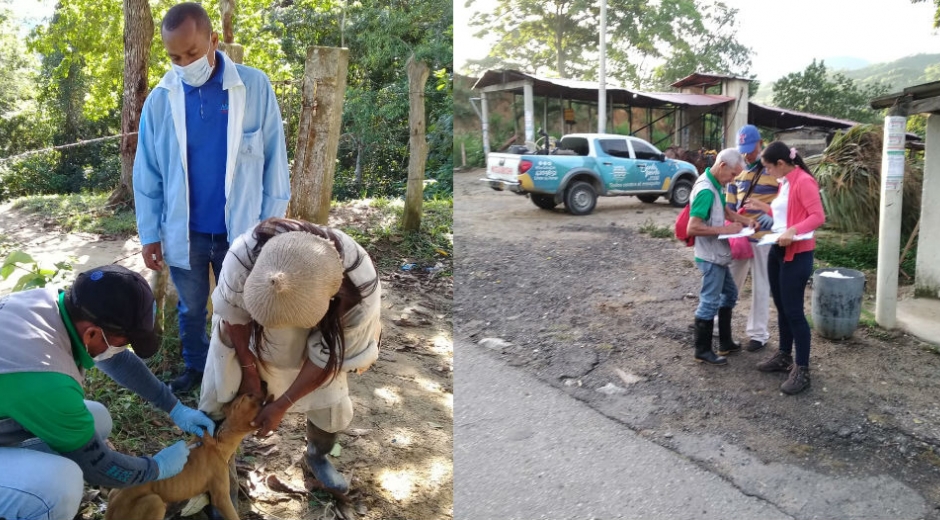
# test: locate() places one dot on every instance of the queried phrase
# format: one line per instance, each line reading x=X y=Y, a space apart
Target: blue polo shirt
x=206 y=128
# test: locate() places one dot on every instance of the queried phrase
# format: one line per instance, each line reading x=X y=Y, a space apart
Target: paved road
x=525 y=450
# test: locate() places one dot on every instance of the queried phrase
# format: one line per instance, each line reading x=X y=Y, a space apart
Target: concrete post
x=486 y=123
x=927 y=277
x=889 y=224
x=602 y=90
x=529 y=108
x=736 y=111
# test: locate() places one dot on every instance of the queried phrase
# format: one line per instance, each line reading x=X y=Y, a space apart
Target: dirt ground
x=397 y=453
x=594 y=307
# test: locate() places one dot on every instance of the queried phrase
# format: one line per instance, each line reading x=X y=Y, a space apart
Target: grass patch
x=859 y=252
x=80 y=212
x=375 y=224
x=650 y=228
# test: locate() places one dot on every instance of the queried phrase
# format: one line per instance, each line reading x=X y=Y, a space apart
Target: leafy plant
x=650 y=228
x=35 y=276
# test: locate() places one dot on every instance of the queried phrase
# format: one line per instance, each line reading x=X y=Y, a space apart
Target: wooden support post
x=321 y=115
x=418 y=145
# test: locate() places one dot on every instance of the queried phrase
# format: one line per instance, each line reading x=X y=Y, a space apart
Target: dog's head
x=241 y=411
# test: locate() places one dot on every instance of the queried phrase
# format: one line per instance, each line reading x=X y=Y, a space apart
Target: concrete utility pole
x=602 y=88
x=889 y=224
x=321 y=118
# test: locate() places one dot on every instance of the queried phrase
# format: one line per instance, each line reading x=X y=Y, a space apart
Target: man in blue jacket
x=211 y=163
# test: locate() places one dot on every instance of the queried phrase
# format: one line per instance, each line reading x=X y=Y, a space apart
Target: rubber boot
x=319 y=445
x=726 y=345
x=703 y=343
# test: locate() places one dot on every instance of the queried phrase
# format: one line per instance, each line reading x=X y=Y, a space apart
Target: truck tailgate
x=503 y=167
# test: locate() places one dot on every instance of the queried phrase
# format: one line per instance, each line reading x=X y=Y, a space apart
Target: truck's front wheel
x=543 y=201
x=580 y=198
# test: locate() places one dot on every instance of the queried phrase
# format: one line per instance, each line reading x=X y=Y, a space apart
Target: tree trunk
x=138 y=33
x=359 y=147
x=228 y=15
x=418 y=145
x=321 y=118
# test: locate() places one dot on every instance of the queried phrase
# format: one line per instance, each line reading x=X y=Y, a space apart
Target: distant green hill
x=898 y=74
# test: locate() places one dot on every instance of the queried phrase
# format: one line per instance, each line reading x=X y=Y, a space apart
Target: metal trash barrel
x=837 y=301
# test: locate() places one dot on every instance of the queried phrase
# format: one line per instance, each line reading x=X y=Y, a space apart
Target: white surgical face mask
x=197 y=73
x=110 y=352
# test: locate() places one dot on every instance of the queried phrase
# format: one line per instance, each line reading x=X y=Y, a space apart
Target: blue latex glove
x=170 y=460
x=192 y=421
x=766 y=222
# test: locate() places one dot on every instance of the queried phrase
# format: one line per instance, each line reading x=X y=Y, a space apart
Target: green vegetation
x=63 y=84
x=858 y=252
x=900 y=73
x=650 y=228
x=80 y=212
x=552 y=35
x=376 y=228
x=818 y=91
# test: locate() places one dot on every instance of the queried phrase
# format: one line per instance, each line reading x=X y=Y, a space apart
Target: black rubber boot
x=187 y=381
x=319 y=445
x=703 y=343
x=726 y=345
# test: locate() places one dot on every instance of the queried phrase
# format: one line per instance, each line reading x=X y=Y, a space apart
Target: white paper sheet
x=746 y=232
x=771 y=238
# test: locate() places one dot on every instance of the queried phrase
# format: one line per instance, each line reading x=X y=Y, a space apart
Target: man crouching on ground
x=713 y=256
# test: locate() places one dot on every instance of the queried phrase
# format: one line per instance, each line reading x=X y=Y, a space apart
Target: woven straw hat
x=293 y=280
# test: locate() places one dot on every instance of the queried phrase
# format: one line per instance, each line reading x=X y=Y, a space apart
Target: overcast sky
x=786 y=35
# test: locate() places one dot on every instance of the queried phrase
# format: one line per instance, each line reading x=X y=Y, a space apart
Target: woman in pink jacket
x=797 y=210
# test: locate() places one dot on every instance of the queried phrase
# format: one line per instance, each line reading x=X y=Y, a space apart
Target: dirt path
x=397 y=452
x=588 y=302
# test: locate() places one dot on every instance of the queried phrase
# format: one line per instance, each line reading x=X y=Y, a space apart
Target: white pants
x=760 y=290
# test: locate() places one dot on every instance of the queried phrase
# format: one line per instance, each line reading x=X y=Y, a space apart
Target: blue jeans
x=718 y=290
x=192 y=285
x=787 y=286
x=37 y=483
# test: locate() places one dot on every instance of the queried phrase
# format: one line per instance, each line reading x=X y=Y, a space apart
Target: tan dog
x=206 y=470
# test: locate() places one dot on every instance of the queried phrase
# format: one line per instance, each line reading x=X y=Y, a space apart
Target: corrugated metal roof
x=695 y=100
x=698 y=79
x=775 y=117
x=577 y=90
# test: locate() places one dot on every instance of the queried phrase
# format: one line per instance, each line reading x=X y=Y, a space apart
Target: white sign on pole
x=892 y=170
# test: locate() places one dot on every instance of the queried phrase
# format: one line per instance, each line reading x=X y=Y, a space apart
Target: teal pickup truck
x=585 y=166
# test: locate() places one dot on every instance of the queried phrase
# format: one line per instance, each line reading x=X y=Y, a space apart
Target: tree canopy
x=648 y=43
x=78 y=76
x=817 y=91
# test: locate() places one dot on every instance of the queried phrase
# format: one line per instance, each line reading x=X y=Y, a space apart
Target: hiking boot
x=797 y=382
x=780 y=362
x=703 y=343
x=754 y=345
x=187 y=381
x=726 y=345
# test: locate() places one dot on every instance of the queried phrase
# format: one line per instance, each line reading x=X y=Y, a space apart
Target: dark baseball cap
x=120 y=300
